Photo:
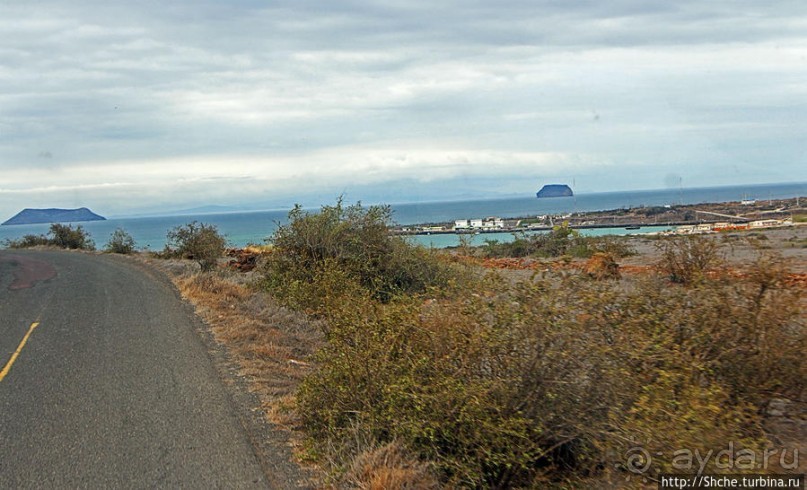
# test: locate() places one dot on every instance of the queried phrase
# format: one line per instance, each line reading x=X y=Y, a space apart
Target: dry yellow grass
x=270 y=343
x=390 y=466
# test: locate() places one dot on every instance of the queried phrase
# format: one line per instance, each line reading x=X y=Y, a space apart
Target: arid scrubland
x=401 y=367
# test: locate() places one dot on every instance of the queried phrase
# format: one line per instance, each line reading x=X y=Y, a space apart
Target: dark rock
x=555 y=190
x=53 y=215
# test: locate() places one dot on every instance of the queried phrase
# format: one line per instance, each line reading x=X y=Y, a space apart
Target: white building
x=765 y=223
x=492 y=223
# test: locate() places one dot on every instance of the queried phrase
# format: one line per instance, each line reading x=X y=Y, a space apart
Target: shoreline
x=733 y=215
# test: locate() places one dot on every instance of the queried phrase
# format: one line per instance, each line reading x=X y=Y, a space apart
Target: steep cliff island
x=555 y=190
x=53 y=215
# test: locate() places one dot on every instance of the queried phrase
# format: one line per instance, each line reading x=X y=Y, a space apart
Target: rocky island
x=52 y=215
x=555 y=190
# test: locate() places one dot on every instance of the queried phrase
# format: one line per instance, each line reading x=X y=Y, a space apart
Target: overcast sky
x=136 y=106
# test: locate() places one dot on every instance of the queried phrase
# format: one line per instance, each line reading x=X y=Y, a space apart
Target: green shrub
x=521 y=246
x=59 y=235
x=65 y=236
x=27 y=241
x=561 y=240
x=196 y=241
x=353 y=245
x=120 y=242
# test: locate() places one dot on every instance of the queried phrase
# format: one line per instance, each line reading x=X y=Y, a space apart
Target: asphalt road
x=112 y=388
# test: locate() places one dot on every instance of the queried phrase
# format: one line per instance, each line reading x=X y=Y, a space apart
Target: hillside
x=52 y=215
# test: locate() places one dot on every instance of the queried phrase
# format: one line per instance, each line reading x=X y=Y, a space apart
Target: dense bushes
x=59 y=235
x=552 y=379
x=533 y=382
x=346 y=250
x=482 y=386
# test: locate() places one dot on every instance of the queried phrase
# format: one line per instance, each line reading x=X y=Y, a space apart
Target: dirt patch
x=28 y=271
x=737 y=248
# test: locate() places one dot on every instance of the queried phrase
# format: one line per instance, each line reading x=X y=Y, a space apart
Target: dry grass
x=272 y=346
x=270 y=343
x=602 y=265
x=389 y=466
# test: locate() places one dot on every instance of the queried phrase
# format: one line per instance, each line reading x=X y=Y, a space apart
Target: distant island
x=53 y=215
x=555 y=190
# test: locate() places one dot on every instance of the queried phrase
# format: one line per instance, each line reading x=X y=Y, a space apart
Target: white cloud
x=228 y=101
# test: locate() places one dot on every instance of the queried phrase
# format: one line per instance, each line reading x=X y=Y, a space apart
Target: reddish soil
x=28 y=271
x=736 y=249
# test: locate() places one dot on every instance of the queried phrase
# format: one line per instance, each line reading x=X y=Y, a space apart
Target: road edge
x=270 y=444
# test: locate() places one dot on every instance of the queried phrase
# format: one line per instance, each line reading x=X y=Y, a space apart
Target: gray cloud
x=135 y=94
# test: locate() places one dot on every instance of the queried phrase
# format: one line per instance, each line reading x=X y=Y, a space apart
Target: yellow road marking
x=7 y=367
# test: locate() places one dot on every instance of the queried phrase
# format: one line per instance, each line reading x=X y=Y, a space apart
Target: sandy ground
x=738 y=248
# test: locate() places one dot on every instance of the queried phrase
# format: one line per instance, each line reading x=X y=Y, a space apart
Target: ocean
x=255 y=227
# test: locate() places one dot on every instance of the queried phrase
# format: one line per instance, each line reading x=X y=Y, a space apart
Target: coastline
x=583 y=212
x=723 y=215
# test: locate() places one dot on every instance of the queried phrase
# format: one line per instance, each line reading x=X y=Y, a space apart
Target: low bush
x=120 y=242
x=686 y=260
x=343 y=249
x=521 y=246
x=65 y=236
x=28 y=241
x=561 y=240
x=484 y=386
x=527 y=383
x=196 y=241
x=601 y=266
x=653 y=210
x=59 y=235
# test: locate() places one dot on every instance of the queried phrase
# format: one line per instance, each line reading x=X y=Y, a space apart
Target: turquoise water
x=150 y=233
x=531 y=206
x=451 y=240
x=254 y=227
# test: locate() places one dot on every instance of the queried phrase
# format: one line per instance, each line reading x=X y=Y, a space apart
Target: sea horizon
x=255 y=226
x=238 y=209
